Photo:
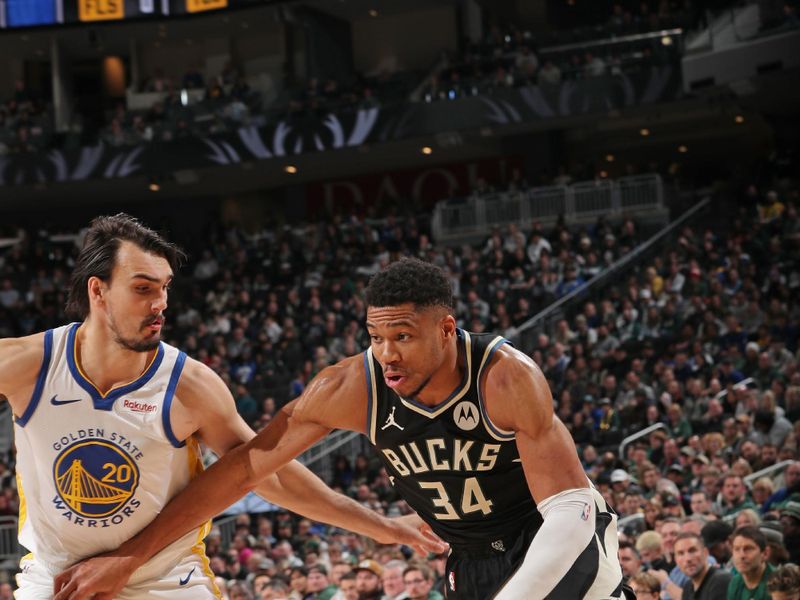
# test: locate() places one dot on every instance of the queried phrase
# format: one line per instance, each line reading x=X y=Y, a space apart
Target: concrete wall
x=405 y=41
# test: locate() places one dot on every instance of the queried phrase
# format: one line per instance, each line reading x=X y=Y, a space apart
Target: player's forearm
x=296 y=488
x=568 y=528
x=206 y=496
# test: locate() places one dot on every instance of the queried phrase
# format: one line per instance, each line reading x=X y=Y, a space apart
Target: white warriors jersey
x=94 y=469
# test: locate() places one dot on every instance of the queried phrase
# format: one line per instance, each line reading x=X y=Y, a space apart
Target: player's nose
x=390 y=354
x=160 y=304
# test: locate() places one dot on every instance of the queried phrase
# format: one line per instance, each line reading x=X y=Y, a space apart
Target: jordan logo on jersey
x=465 y=415
x=390 y=421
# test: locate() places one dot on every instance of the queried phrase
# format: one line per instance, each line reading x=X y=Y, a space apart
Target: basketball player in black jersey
x=464 y=424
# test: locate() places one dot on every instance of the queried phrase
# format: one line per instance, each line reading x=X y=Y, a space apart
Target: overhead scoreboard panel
x=37 y=13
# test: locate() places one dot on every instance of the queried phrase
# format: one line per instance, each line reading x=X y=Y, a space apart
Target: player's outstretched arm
x=518 y=399
x=296 y=488
x=335 y=399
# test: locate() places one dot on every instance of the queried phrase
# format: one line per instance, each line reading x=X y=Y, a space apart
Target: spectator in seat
x=734 y=496
x=705 y=582
x=716 y=537
x=753 y=570
x=645 y=586
x=394 y=588
x=784 y=583
x=419 y=581
x=629 y=560
x=368 y=580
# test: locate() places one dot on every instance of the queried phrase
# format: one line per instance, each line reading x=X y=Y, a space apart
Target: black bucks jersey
x=457 y=470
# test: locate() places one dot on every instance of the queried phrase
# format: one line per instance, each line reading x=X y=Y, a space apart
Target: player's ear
x=95 y=289
x=448 y=325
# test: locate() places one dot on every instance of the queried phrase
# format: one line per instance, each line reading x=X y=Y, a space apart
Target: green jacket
x=737 y=590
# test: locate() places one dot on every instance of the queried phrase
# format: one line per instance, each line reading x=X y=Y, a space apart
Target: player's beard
x=133 y=344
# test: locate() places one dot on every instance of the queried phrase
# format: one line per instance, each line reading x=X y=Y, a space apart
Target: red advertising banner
x=421 y=187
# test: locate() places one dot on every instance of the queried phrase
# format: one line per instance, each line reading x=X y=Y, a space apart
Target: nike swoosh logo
x=188 y=577
x=56 y=402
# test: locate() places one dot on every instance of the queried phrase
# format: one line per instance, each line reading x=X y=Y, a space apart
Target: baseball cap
x=688 y=451
x=369 y=565
x=772 y=530
x=670 y=500
x=619 y=475
x=791 y=509
x=702 y=458
x=676 y=468
x=715 y=532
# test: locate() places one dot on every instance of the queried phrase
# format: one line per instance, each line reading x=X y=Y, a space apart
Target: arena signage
x=201 y=5
x=101 y=10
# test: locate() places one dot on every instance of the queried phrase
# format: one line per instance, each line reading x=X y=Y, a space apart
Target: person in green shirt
x=750 y=559
x=419 y=581
x=318 y=587
x=734 y=497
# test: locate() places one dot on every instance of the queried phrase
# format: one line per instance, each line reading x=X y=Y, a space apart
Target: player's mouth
x=154 y=325
x=394 y=380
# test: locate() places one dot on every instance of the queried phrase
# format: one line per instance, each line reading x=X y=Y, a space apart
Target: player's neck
x=104 y=361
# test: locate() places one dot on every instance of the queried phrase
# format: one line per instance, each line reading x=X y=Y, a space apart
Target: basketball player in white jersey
x=464 y=424
x=108 y=420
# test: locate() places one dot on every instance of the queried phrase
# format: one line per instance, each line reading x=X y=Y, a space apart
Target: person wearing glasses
x=419 y=581
x=645 y=586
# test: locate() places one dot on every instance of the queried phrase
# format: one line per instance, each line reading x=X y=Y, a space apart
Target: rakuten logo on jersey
x=143 y=407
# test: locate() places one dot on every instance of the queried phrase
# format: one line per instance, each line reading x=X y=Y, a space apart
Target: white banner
x=146 y=6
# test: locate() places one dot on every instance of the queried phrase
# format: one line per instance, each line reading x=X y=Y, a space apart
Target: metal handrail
x=632 y=256
x=766 y=471
x=607 y=41
x=227 y=527
x=742 y=384
x=10 y=550
x=639 y=434
x=326 y=446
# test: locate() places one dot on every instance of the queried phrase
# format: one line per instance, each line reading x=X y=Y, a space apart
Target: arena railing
x=638 y=435
x=582 y=201
x=767 y=471
x=317 y=458
x=524 y=337
x=227 y=529
x=10 y=550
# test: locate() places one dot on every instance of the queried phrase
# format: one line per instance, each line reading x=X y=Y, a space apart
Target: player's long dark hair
x=99 y=254
x=410 y=280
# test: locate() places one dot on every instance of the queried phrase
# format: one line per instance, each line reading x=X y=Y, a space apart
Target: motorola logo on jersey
x=95 y=479
x=466 y=416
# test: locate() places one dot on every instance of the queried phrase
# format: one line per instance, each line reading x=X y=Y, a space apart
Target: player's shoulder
x=22 y=356
x=514 y=389
x=509 y=365
x=198 y=381
x=341 y=376
x=336 y=397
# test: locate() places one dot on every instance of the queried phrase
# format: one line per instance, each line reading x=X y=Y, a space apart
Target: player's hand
x=412 y=531
x=98 y=578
